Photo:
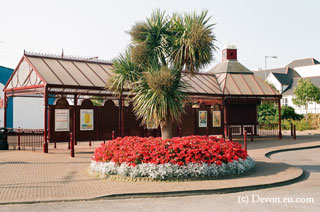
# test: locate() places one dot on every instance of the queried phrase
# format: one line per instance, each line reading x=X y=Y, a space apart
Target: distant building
x=5 y=74
x=285 y=80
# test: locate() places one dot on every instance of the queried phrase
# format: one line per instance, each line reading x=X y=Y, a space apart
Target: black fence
x=22 y=139
x=265 y=130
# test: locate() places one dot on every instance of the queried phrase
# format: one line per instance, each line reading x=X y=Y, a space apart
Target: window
x=284 y=101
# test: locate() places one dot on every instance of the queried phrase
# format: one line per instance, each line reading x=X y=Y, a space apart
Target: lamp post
x=265 y=65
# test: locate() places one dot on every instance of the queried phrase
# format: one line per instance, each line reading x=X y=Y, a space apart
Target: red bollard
x=245 y=140
x=294 y=132
x=104 y=141
x=69 y=145
x=19 y=144
x=113 y=135
x=291 y=129
x=230 y=134
x=55 y=144
x=72 y=146
x=90 y=143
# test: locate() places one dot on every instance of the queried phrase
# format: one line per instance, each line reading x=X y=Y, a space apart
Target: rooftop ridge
x=67 y=57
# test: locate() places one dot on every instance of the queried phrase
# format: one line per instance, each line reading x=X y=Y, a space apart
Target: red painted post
x=291 y=129
x=55 y=144
x=69 y=144
x=19 y=144
x=72 y=145
x=104 y=141
x=245 y=140
x=75 y=103
x=294 y=132
x=90 y=143
x=45 y=142
x=113 y=135
x=230 y=133
x=279 y=110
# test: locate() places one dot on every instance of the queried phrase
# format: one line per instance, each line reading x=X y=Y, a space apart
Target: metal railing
x=22 y=139
x=266 y=130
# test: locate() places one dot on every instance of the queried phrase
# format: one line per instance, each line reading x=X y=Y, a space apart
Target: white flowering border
x=170 y=171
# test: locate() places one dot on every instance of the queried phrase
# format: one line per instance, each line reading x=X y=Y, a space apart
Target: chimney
x=229 y=52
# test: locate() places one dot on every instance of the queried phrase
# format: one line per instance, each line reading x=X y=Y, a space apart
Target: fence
x=266 y=130
x=25 y=139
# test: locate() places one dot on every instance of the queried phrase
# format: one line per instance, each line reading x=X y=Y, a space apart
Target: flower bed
x=186 y=157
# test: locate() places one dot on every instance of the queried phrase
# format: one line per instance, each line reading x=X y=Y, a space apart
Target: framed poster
x=216 y=118
x=61 y=120
x=86 y=119
x=202 y=118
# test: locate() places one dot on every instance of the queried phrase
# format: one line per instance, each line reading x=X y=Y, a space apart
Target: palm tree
x=125 y=72
x=161 y=48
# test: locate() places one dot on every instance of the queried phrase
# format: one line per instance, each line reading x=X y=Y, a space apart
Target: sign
x=216 y=118
x=86 y=119
x=202 y=118
x=61 y=120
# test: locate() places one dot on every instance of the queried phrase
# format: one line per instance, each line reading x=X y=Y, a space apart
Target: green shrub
x=288 y=112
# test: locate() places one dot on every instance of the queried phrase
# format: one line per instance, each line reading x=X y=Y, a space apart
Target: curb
x=189 y=192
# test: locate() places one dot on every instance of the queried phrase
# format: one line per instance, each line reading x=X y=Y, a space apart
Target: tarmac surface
x=32 y=177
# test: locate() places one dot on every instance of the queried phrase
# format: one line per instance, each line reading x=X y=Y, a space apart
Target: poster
x=61 y=117
x=202 y=118
x=86 y=119
x=216 y=117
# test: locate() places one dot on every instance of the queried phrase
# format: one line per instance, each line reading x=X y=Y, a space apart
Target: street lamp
x=265 y=65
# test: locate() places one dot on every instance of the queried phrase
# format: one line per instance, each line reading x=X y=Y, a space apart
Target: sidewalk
x=34 y=176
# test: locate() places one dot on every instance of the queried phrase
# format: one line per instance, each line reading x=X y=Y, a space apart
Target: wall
x=5 y=74
x=308 y=71
x=271 y=79
x=312 y=108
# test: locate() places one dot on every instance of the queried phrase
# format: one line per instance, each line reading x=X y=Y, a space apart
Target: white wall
x=28 y=112
x=271 y=79
x=308 y=71
x=312 y=108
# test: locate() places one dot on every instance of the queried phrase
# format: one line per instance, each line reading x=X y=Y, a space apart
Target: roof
x=56 y=70
x=229 y=66
x=265 y=73
x=303 y=62
x=290 y=89
x=200 y=83
x=244 y=84
x=287 y=77
x=78 y=75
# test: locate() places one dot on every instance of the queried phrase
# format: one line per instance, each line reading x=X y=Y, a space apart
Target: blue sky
x=287 y=29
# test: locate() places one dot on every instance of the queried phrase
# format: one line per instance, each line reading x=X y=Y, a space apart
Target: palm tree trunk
x=166 y=129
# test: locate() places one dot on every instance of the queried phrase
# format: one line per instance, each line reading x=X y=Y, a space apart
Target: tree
x=306 y=93
x=288 y=112
x=267 y=113
x=161 y=48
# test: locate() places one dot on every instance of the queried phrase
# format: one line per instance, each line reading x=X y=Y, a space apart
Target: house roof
x=303 y=62
x=287 y=77
x=265 y=73
x=290 y=89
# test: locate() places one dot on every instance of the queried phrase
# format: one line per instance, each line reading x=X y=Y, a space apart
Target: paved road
x=307 y=190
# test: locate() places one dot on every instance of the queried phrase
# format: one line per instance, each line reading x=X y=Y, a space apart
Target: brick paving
x=28 y=176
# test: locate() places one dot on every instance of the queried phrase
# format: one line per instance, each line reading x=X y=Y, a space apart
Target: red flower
x=181 y=151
